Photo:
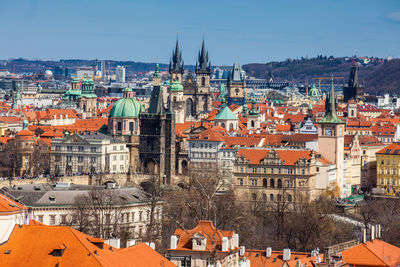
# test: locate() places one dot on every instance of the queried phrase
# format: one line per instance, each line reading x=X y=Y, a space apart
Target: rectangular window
x=114 y=158
x=69 y=148
x=254 y=182
x=80 y=158
x=121 y=157
x=69 y=158
x=93 y=160
x=114 y=167
x=121 y=147
x=121 y=168
x=52 y=219
x=114 y=148
x=40 y=218
x=240 y=181
x=80 y=148
x=58 y=148
x=57 y=158
x=93 y=149
x=63 y=219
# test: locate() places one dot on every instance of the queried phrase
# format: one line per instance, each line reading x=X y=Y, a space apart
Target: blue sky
x=249 y=31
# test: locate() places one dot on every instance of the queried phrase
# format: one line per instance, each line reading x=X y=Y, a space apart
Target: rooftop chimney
x=224 y=243
x=298 y=263
x=268 y=252
x=372 y=232
x=242 y=250
x=174 y=241
x=286 y=254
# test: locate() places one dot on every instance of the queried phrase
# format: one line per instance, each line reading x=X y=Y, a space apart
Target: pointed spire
x=203 y=65
x=330 y=107
x=177 y=62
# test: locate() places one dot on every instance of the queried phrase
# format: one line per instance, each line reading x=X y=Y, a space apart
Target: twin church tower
x=192 y=96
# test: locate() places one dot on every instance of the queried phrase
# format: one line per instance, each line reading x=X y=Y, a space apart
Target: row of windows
x=203 y=145
x=93 y=149
x=389 y=181
x=388 y=161
x=388 y=171
x=114 y=158
x=203 y=155
x=289 y=197
x=57 y=158
x=272 y=170
x=128 y=217
x=271 y=184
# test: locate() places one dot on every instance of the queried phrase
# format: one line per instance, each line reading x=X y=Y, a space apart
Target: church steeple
x=176 y=64
x=330 y=108
x=203 y=65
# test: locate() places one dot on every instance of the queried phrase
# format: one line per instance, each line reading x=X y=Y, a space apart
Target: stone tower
x=157 y=138
x=176 y=65
x=157 y=76
x=353 y=90
x=203 y=71
x=88 y=99
x=178 y=103
x=236 y=86
x=331 y=136
x=253 y=118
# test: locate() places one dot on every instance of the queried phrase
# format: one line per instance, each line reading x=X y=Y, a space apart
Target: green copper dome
x=75 y=80
x=126 y=108
x=226 y=114
x=176 y=86
x=127 y=89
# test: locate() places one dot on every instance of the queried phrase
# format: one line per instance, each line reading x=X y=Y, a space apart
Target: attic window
x=52 y=198
x=198 y=242
x=7 y=251
x=387 y=151
x=57 y=252
x=274 y=260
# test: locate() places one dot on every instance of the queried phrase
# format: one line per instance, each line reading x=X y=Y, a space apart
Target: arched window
x=252 y=124
x=203 y=81
x=272 y=183
x=131 y=126
x=254 y=196
x=271 y=197
x=265 y=197
x=264 y=182
x=119 y=126
x=279 y=197
x=289 y=198
x=279 y=183
x=230 y=126
x=223 y=125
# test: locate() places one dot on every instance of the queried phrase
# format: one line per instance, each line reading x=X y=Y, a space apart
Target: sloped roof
x=226 y=114
x=372 y=253
x=9 y=206
x=206 y=229
x=31 y=245
x=289 y=156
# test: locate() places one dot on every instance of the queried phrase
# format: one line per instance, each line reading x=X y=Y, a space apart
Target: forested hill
x=377 y=76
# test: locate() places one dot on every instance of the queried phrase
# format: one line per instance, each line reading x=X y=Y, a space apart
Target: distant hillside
x=378 y=76
x=386 y=78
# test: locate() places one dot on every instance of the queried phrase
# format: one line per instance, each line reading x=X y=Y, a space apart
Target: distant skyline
x=248 y=31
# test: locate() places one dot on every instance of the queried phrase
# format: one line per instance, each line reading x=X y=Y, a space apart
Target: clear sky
x=250 y=31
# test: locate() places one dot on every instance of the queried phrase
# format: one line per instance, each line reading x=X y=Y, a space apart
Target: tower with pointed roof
x=203 y=70
x=236 y=86
x=331 y=136
x=353 y=90
x=17 y=98
x=157 y=138
x=253 y=117
x=87 y=101
x=176 y=68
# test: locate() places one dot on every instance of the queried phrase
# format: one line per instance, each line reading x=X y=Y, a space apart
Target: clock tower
x=331 y=136
x=236 y=86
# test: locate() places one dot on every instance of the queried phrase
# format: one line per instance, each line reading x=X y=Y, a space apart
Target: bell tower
x=236 y=86
x=176 y=65
x=331 y=136
x=203 y=71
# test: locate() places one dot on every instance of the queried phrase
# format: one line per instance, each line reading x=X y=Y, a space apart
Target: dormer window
x=198 y=242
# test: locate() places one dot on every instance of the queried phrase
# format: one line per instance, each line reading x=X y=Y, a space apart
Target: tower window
x=203 y=81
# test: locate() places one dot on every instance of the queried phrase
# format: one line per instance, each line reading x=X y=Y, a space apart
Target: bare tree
x=98 y=213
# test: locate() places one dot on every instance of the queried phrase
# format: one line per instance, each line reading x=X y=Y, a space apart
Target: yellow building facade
x=388 y=169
